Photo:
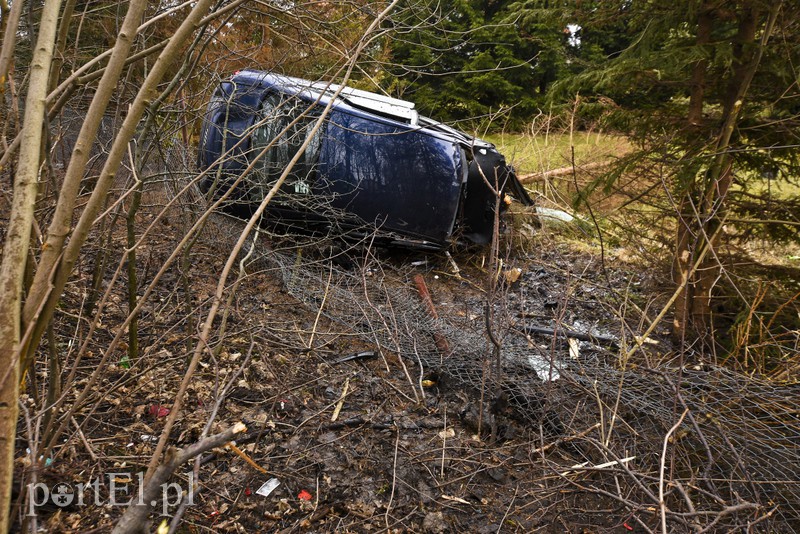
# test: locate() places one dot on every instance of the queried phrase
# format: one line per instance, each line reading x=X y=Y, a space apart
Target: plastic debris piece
x=156 y=410
x=304 y=495
x=248 y=491
x=268 y=487
x=551 y=214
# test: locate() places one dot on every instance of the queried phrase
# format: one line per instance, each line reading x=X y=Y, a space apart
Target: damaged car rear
x=374 y=167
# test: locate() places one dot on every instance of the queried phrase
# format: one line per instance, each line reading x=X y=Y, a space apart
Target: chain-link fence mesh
x=733 y=462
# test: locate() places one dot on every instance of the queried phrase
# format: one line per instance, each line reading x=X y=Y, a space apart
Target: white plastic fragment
x=546 y=371
x=268 y=487
x=554 y=214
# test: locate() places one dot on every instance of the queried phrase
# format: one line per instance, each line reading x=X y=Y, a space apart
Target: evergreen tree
x=471 y=60
x=709 y=88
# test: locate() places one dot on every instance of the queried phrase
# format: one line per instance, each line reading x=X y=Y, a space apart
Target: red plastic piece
x=156 y=410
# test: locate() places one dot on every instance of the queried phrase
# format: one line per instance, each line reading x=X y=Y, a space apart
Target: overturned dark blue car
x=374 y=167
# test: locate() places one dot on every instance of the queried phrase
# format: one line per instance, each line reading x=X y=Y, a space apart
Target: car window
x=281 y=112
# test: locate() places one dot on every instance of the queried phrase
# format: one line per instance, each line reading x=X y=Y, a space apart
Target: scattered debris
x=425 y=295
x=156 y=410
x=241 y=454
x=358 y=356
x=268 y=487
x=585 y=465
x=544 y=369
x=648 y=340
x=453 y=264
x=304 y=495
x=554 y=215
x=454 y=499
x=434 y=523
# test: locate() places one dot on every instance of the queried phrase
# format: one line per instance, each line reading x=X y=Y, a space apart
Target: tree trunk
x=707 y=198
x=62 y=218
x=684 y=242
x=11 y=18
x=48 y=295
x=15 y=251
x=697 y=92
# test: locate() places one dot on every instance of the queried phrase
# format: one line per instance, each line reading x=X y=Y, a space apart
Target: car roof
x=381 y=104
x=357 y=100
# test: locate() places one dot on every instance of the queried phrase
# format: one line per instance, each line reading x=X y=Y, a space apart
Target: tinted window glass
x=285 y=122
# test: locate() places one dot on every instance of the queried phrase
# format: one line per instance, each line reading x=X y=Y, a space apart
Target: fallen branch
x=134 y=520
x=563 y=171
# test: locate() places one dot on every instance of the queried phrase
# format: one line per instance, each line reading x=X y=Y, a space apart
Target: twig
x=444 y=440
x=513 y=497
x=134 y=518
x=545 y=448
x=677 y=293
x=394 y=479
x=563 y=171
x=339 y=405
x=321 y=307
x=585 y=465
x=241 y=454
x=736 y=508
x=83 y=439
x=453 y=264
x=662 y=504
x=357 y=356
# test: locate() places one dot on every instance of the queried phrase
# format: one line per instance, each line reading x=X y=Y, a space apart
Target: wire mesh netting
x=731 y=462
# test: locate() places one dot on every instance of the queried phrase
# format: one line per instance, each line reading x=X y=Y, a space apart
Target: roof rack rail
x=386 y=105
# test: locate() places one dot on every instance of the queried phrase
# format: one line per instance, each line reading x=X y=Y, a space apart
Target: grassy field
x=548 y=151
